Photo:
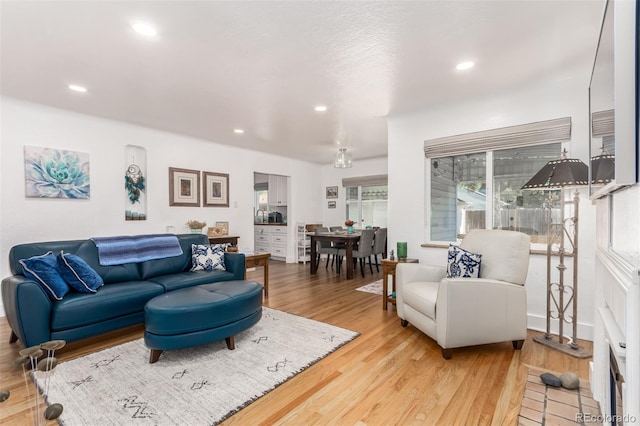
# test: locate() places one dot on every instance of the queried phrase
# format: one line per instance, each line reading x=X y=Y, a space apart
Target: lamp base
x=576 y=352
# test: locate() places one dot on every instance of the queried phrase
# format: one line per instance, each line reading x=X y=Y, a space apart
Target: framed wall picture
x=224 y=227
x=332 y=204
x=215 y=189
x=56 y=173
x=332 y=192
x=184 y=187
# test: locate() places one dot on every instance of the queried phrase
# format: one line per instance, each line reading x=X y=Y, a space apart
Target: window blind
x=602 y=123
x=365 y=180
x=541 y=132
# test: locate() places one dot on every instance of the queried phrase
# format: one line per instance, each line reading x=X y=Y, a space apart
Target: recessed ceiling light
x=465 y=65
x=321 y=108
x=238 y=131
x=77 y=88
x=144 y=29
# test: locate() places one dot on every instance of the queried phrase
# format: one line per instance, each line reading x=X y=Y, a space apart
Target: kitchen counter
x=270 y=224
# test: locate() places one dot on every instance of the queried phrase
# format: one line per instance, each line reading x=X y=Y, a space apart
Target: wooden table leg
x=349 y=259
x=313 y=267
x=266 y=279
x=385 y=286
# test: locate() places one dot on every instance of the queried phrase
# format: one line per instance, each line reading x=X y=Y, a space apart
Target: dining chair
x=324 y=247
x=379 y=244
x=364 y=250
x=336 y=246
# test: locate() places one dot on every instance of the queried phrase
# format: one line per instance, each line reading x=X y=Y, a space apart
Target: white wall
x=407 y=212
x=29 y=220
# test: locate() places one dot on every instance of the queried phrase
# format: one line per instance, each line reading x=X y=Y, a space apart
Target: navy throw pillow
x=462 y=263
x=43 y=270
x=78 y=274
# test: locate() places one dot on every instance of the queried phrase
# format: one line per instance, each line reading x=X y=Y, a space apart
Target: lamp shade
x=602 y=169
x=560 y=173
x=343 y=159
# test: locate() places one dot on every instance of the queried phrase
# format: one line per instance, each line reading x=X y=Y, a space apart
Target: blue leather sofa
x=34 y=318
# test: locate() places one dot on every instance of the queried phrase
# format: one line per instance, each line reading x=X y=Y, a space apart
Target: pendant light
x=343 y=159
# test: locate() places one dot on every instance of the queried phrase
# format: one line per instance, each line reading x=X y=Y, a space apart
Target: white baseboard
x=539 y=323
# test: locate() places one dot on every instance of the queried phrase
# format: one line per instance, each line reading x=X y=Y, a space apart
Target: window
x=480 y=190
x=367 y=205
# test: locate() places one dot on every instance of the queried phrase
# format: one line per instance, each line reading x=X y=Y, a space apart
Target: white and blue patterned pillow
x=462 y=263
x=207 y=257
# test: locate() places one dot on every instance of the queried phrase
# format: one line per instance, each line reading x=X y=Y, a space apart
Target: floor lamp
x=562 y=297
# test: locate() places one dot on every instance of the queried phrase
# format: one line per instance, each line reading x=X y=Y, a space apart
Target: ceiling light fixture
x=77 y=88
x=238 y=131
x=343 y=159
x=320 y=108
x=144 y=29
x=462 y=66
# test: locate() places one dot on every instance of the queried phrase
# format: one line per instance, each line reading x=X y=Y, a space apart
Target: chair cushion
x=173 y=282
x=462 y=263
x=422 y=296
x=44 y=271
x=207 y=257
x=78 y=274
x=111 y=301
x=505 y=254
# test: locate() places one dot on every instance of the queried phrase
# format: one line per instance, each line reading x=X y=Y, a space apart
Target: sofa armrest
x=414 y=272
x=410 y=272
x=234 y=263
x=28 y=310
x=478 y=311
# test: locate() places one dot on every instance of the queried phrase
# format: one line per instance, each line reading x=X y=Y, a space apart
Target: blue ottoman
x=202 y=314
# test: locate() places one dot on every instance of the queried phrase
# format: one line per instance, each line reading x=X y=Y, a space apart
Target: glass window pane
x=370 y=209
x=374 y=206
x=458 y=195
x=517 y=209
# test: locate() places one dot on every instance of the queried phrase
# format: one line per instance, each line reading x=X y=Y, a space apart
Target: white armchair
x=458 y=312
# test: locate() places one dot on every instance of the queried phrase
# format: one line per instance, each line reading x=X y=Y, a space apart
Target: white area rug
x=375 y=288
x=196 y=386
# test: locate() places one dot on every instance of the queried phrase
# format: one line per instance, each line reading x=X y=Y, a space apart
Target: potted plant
x=349 y=223
x=196 y=226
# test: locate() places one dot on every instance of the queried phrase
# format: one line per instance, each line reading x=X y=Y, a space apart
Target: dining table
x=348 y=239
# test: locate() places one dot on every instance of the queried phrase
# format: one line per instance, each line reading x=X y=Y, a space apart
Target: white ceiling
x=263 y=66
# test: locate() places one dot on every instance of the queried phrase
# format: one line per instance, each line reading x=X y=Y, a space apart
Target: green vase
x=350 y=229
x=402 y=250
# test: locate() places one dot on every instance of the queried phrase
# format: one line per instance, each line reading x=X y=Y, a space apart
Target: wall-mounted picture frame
x=184 y=187
x=332 y=192
x=215 y=189
x=224 y=227
x=56 y=173
x=332 y=204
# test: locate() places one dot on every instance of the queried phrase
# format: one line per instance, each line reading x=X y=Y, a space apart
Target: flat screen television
x=613 y=100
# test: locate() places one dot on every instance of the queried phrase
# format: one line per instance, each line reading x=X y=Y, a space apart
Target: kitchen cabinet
x=278 y=190
x=271 y=239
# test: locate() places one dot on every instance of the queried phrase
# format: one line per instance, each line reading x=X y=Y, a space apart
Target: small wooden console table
x=253 y=260
x=389 y=268
x=224 y=239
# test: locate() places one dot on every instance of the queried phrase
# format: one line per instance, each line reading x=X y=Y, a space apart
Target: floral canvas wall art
x=55 y=173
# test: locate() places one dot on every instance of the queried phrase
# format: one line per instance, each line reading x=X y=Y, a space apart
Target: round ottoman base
x=202 y=314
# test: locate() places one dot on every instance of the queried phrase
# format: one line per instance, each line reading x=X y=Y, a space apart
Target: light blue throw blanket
x=138 y=248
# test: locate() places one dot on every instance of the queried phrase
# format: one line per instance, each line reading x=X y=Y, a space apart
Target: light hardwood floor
x=389 y=375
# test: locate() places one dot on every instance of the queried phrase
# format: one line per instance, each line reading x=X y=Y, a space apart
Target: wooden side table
x=389 y=268
x=231 y=239
x=253 y=260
